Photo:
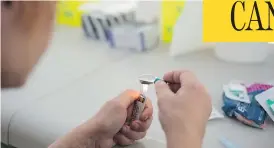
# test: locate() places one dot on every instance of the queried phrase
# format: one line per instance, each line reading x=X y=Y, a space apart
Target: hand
x=184 y=104
x=111 y=120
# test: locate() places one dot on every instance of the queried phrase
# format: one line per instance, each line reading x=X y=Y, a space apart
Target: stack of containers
x=98 y=18
x=116 y=25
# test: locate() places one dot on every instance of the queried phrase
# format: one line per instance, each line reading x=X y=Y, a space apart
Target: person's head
x=25 y=32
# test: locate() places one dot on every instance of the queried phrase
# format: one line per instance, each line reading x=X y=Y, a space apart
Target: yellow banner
x=238 y=20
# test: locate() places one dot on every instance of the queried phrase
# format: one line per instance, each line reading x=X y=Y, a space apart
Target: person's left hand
x=112 y=118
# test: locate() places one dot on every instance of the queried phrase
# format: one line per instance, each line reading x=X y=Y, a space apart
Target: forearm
x=80 y=137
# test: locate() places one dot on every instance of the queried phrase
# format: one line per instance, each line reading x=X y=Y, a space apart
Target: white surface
x=263 y=97
x=108 y=7
x=148 y=11
x=243 y=52
x=76 y=77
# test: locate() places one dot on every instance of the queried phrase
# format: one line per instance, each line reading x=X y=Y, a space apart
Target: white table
x=77 y=76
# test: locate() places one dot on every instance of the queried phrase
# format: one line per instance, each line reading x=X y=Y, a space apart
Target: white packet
x=215 y=114
x=241 y=89
x=261 y=99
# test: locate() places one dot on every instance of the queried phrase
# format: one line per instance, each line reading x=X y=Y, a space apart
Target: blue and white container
x=98 y=18
x=138 y=37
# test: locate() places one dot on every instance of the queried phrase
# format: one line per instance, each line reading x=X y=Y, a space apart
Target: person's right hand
x=184 y=105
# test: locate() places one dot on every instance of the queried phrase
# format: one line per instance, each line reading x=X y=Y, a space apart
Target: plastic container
x=242 y=52
x=98 y=18
x=138 y=37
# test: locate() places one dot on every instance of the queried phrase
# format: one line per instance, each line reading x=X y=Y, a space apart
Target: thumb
x=162 y=90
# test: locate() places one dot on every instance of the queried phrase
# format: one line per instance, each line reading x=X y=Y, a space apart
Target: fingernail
x=145 y=118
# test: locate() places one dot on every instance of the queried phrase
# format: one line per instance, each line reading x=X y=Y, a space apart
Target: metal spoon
x=146 y=79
